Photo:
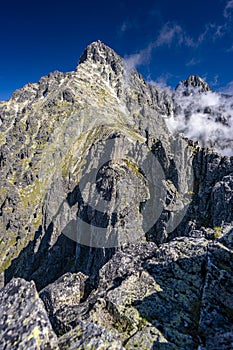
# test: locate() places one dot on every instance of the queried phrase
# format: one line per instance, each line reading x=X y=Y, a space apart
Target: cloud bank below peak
x=204 y=117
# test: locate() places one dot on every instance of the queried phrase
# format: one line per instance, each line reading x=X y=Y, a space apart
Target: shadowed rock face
x=125 y=229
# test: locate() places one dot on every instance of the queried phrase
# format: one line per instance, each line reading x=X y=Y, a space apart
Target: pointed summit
x=196 y=82
x=100 y=53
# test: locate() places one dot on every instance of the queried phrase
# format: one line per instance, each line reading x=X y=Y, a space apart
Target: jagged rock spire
x=98 y=52
x=194 y=81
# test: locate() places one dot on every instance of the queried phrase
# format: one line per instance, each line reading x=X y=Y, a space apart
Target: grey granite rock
x=24 y=323
x=88 y=336
x=216 y=316
x=174 y=296
x=222 y=201
x=66 y=290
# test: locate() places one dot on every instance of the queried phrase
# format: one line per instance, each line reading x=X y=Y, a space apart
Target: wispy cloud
x=127 y=25
x=214 y=81
x=230 y=49
x=124 y=26
x=137 y=59
x=212 y=32
x=192 y=62
x=208 y=33
x=161 y=81
x=220 y=31
x=171 y=32
x=168 y=34
x=228 y=89
x=228 y=9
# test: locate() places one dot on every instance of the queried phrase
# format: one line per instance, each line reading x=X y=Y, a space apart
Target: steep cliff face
x=56 y=132
x=101 y=199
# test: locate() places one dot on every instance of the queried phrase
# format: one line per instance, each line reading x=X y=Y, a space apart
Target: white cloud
x=206 y=118
x=137 y=59
x=161 y=82
x=228 y=9
x=167 y=34
x=171 y=32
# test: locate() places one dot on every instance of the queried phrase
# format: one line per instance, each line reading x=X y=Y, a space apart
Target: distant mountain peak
x=194 y=81
x=98 y=52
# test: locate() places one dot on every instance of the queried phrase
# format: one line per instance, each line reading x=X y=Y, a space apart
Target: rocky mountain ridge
x=123 y=228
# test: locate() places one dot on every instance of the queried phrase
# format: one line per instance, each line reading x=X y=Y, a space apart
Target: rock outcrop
x=115 y=232
x=24 y=323
x=192 y=84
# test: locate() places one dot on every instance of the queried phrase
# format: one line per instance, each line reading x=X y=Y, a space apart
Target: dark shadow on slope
x=49 y=261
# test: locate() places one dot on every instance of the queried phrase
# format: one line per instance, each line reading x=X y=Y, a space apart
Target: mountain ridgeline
x=116 y=212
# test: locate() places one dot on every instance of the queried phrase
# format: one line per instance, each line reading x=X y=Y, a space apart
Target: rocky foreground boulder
x=176 y=296
x=115 y=233
x=24 y=321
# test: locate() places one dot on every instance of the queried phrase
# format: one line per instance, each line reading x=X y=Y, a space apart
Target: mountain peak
x=194 y=81
x=98 y=52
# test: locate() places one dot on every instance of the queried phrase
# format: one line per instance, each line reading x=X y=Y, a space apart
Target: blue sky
x=165 y=40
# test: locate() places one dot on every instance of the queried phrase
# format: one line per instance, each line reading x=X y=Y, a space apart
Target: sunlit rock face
x=112 y=204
